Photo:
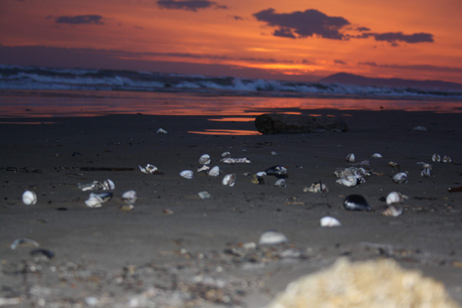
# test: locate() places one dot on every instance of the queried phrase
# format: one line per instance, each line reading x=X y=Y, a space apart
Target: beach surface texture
x=174 y=247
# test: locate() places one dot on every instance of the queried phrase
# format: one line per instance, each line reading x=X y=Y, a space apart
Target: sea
x=39 y=92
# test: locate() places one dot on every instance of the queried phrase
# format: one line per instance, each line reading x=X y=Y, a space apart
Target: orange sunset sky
x=298 y=40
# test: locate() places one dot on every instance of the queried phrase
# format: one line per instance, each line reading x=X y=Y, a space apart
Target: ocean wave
x=42 y=78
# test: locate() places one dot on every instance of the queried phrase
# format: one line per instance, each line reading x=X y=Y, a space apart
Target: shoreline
x=116 y=256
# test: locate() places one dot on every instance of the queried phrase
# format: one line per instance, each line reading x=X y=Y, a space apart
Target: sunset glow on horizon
x=291 y=40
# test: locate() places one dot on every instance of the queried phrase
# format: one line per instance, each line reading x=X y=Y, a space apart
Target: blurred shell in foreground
x=29 y=197
x=371 y=284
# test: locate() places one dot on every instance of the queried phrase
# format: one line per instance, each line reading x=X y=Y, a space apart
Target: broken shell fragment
x=393 y=164
x=436 y=158
x=426 y=172
x=97 y=200
x=349 y=181
x=316 y=188
x=229 y=180
x=420 y=128
x=149 y=169
x=187 y=174
x=258 y=179
x=271 y=238
x=161 y=131
x=400 y=177
x=205 y=159
x=129 y=197
x=393 y=211
x=215 y=171
x=230 y=160
x=446 y=159
x=23 y=241
x=203 y=168
x=376 y=155
x=96 y=185
x=29 y=197
x=126 y=208
x=278 y=171
x=350 y=157
x=281 y=183
x=329 y=221
x=204 y=195
x=356 y=203
x=225 y=154
x=395 y=197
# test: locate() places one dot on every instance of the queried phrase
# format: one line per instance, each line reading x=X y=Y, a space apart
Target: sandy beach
x=175 y=249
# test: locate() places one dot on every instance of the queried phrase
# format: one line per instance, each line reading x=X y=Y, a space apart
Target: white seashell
x=97 y=200
x=204 y=195
x=215 y=171
x=446 y=159
x=129 y=197
x=225 y=154
x=426 y=172
x=376 y=155
x=161 y=131
x=329 y=221
x=205 y=159
x=203 y=168
x=149 y=169
x=395 y=197
x=274 y=153
x=420 y=128
x=350 y=157
x=260 y=174
x=400 y=177
x=316 y=188
x=349 y=181
x=187 y=174
x=29 y=197
x=436 y=158
x=281 y=183
x=271 y=238
x=230 y=160
x=393 y=211
x=108 y=185
x=229 y=180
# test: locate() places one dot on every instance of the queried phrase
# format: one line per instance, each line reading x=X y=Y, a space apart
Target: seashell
x=229 y=180
x=436 y=158
x=187 y=174
x=204 y=195
x=108 y=185
x=205 y=159
x=446 y=159
x=258 y=179
x=97 y=200
x=203 y=168
x=281 y=183
x=426 y=172
x=393 y=211
x=23 y=241
x=400 y=177
x=356 y=203
x=215 y=171
x=376 y=155
x=316 y=188
x=225 y=154
x=29 y=197
x=96 y=185
x=161 y=131
x=230 y=160
x=274 y=153
x=420 y=128
x=40 y=252
x=393 y=164
x=149 y=169
x=395 y=197
x=278 y=171
x=329 y=221
x=350 y=157
x=271 y=238
x=167 y=211
x=129 y=197
x=348 y=181
x=261 y=174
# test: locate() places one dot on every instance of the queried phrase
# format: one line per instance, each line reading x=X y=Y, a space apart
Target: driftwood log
x=270 y=124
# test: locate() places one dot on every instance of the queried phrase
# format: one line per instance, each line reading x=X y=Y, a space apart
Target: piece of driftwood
x=270 y=124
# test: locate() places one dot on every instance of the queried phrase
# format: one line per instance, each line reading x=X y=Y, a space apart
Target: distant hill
x=350 y=79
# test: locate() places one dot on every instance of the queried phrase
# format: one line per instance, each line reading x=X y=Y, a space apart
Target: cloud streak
x=80 y=20
x=313 y=23
x=189 y=5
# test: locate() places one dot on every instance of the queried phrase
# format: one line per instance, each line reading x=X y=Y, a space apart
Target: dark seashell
x=43 y=252
x=278 y=171
x=356 y=203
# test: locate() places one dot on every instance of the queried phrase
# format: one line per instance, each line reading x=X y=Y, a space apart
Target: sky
x=292 y=40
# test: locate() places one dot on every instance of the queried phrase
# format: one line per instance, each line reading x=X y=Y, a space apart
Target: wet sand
x=178 y=250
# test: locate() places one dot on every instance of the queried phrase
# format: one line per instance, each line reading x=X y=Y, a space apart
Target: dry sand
x=202 y=255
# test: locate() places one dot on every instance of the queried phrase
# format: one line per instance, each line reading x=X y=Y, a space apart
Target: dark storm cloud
x=304 y=24
x=363 y=29
x=188 y=5
x=395 y=37
x=80 y=20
